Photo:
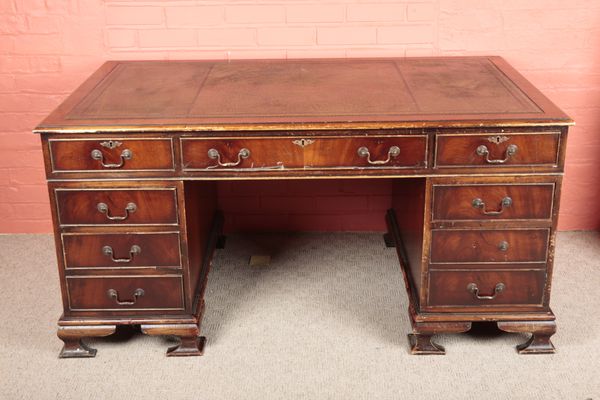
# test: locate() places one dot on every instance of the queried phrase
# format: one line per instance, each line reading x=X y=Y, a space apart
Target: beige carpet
x=326 y=320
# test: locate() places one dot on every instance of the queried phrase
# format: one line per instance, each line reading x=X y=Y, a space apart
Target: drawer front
x=491 y=150
x=485 y=202
x=125 y=293
x=367 y=152
x=486 y=288
x=125 y=250
x=111 y=155
x=456 y=246
x=116 y=206
x=240 y=154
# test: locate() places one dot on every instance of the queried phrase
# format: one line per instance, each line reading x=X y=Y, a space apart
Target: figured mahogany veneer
x=449 y=288
x=133 y=206
x=111 y=154
x=492 y=202
x=125 y=293
x=121 y=250
x=494 y=246
x=474 y=154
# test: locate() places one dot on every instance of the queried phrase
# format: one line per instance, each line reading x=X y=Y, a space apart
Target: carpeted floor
x=326 y=320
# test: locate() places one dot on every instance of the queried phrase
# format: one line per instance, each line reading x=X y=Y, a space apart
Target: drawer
x=139 y=206
x=484 y=202
x=493 y=150
x=127 y=250
x=110 y=293
x=111 y=155
x=486 y=288
x=455 y=246
x=250 y=153
x=367 y=152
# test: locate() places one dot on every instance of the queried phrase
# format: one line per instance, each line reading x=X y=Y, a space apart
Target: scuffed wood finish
x=459 y=246
x=459 y=202
x=111 y=154
x=128 y=292
x=541 y=331
x=476 y=154
x=531 y=149
x=129 y=250
x=451 y=288
x=151 y=206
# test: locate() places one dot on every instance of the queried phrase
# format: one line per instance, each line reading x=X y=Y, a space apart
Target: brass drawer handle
x=511 y=150
x=503 y=246
x=472 y=288
x=125 y=155
x=108 y=251
x=363 y=152
x=505 y=203
x=215 y=155
x=113 y=294
x=103 y=208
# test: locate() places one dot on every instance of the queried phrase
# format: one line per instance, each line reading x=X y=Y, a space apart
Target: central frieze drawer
x=121 y=250
x=497 y=150
x=108 y=206
x=485 y=288
x=124 y=293
x=456 y=246
x=290 y=152
x=487 y=201
x=111 y=155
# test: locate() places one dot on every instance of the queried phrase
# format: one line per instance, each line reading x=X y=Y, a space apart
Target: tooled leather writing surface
x=303 y=91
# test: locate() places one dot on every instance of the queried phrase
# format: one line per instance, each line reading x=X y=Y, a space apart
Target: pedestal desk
x=474 y=152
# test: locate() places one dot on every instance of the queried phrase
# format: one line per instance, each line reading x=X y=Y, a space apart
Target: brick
x=50 y=83
x=62 y=6
x=43 y=24
x=27 y=176
x=31 y=6
x=397 y=51
x=39 y=44
x=7 y=84
x=249 y=54
x=227 y=37
x=25 y=102
x=346 y=35
x=26 y=226
x=13 y=24
x=121 y=38
x=23 y=194
x=7 y=7
x=167 y=38
x=11 y=141
x=405 y=34
x=421 y=12
x=286 y=36
x=139 y=15
x=420 y=51
x=254 y=14
x=44 y=64
x=315 y=13
x=194 y=16
x=315 y=53
x=376 y=12
x=20 y=122
x=32 y=211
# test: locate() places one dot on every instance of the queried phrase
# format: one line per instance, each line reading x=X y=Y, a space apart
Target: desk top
x=303 y=94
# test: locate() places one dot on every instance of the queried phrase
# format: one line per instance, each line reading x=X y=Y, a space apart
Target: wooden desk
x=476 y=154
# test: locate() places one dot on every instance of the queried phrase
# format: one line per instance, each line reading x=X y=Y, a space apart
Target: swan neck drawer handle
x=113 y=294
x=125 y=155
x=129 y=209
x=363 y=152
x=215 y=155
x=504 y=204
x=109 y=252
x=472 y=288
x=511 y=150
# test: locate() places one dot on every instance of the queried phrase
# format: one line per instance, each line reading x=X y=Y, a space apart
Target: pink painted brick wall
x=47 y=47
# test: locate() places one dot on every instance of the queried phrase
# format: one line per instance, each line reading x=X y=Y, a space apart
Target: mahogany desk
x=475 y=152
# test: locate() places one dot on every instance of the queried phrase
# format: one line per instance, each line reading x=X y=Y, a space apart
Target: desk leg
x=191 y=343
x=539 y=343
x=72 y=337
x=421 y=338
